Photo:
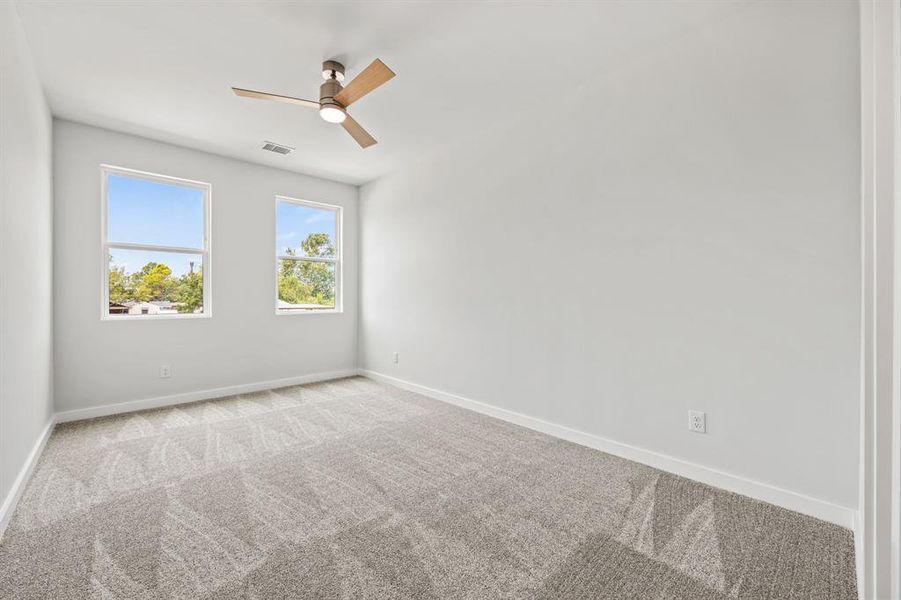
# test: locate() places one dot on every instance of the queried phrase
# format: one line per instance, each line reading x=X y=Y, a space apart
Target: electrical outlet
x=396 y=357
x=165 y=371
x=697 y=421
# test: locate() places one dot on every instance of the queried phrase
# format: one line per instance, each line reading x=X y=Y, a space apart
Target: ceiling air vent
x=277 y=148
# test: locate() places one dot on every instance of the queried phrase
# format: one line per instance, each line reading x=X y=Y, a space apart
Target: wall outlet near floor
x=697 y=421
x=165 y=371
x=396 y=356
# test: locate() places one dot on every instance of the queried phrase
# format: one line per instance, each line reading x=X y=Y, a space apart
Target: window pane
x=154 y=283
x=305 y=231
x=305 y=285
x=150 y=212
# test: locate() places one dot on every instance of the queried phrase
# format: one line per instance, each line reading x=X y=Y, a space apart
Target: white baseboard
x=801 y=503
x=185 y=397
x=15 y=492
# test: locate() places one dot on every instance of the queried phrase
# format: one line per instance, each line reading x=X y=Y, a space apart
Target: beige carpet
x=353 y=489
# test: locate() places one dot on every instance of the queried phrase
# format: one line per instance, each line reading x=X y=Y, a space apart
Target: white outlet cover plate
x=697 y=421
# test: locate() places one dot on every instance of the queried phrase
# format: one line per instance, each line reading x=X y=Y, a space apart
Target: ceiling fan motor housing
x=327 y=92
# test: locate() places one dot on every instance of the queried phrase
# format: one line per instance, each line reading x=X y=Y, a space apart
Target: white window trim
x=106 y=245
x=337 y=260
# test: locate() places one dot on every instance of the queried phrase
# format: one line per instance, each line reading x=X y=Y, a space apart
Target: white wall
x=26 y=214
x=106 y=362
x=687 y=235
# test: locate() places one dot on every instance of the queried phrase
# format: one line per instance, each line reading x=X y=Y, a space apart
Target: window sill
x=130 y=318
x=285 y=313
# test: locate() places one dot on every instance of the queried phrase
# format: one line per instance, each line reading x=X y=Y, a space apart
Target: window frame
x=337 y=260
x=106 y=245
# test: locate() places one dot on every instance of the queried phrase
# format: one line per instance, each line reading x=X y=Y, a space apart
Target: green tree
x=321 y=280
x=188 y=291
x=290 y=288
x=319 y=276
x=307 y=282
x=153 y=282
x=318 y=245
x=119 y=291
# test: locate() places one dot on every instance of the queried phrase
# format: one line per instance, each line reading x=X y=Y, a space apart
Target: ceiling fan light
x=332 y=113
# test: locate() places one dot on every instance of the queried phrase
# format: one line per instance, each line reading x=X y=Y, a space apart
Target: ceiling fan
x=335 y=98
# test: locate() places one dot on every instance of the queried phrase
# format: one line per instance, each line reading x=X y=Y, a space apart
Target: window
x=307 y=257
x=156 y=246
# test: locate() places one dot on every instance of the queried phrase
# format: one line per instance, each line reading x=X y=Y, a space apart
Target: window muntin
x=155 y=246
x=308 y=256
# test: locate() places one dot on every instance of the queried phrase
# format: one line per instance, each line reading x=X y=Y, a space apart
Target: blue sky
x=149 y=212
x=296 y=222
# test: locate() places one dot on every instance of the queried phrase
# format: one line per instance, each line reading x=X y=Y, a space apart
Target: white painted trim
x=186 y=397
x=859 y=556
x=801 y=503
x=880 y=410
x=895 y=460
x=15 y=492
x=155 y=248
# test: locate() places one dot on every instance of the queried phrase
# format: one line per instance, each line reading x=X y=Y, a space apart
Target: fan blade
x=370 y=78
x=276 y=97
x=357 y=132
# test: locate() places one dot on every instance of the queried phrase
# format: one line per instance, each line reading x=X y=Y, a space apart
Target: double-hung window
x=307 y=256
x=155 y=247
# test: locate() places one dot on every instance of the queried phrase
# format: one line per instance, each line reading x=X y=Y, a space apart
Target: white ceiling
x=163 y=69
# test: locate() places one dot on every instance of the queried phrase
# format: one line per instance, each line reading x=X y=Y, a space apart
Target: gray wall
x=687 y=235
x=26 y=228
x=106 y=362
